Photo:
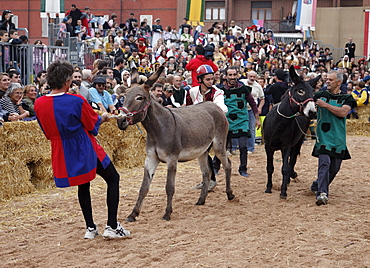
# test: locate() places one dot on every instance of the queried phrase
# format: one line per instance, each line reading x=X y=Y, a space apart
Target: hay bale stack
x=126 y=148
x=363 y=113
x=26 y=160
x=360 y=126
x=15 y=178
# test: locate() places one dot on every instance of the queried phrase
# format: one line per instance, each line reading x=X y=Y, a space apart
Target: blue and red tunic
x=70 y=124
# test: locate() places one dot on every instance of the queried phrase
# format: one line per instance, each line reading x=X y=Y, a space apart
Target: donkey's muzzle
x=123 y=123
x=309 y=110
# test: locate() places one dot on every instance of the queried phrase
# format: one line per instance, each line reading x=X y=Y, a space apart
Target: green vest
x=237 y=115
x=331 y=129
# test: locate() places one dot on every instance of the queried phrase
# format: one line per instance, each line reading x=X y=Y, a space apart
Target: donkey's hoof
x=294 y=175
x=268 y=191
x=130 y=219
x=230 y=196
x=200 y=203
x=166 y=218
x=283 y=197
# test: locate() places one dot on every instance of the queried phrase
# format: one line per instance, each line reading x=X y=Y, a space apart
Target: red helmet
x=203 y=70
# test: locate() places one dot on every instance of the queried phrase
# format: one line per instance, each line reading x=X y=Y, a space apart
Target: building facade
x=336 y=19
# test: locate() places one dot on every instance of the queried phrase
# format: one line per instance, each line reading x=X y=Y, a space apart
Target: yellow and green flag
x=195 y=12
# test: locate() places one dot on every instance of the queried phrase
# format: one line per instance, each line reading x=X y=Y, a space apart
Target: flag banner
x=52 y=6
x=367 y=34
x=258 y=23
x=306 y=15
x=195 y=12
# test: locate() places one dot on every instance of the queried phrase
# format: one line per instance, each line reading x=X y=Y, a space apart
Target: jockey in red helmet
x=201 y=72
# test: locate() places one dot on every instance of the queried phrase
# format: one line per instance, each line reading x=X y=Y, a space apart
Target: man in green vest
x=237 y=95
x=330 y=147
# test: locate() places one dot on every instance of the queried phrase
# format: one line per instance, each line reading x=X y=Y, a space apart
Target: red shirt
x=194 y=64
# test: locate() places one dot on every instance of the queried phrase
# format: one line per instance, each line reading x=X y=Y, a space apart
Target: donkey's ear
x=154 y=77
x=314 y=81
x=294 y=76
x=134 y=76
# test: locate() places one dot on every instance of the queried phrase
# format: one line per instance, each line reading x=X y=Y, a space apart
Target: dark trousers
x=111 y=177
x=243 y=155
x=327 y=170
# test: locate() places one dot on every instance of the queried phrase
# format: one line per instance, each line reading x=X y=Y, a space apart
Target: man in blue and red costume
x=71 y=125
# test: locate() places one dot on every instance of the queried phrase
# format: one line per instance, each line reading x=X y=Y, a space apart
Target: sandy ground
x=46 y=228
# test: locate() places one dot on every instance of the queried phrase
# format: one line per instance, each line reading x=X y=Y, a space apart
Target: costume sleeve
x=350 y=101
x=219 y=99
x=89 y=118
x=252 y=103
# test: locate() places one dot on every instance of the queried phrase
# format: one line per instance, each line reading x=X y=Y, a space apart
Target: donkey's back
x=189 y=131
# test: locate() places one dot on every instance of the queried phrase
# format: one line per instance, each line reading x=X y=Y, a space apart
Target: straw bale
x=126 y=148
x=361 y=126
x=363 y=113
x=15 y=179
x=358 y=128
x=26 y=155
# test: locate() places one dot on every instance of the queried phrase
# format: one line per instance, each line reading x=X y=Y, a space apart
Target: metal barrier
x=287 y=26
x=88 y=55
x=30 y=59
x=77 y=49
x=22 y=30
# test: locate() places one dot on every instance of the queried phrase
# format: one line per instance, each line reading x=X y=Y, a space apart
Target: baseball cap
x=100 y=80
x=280 y=74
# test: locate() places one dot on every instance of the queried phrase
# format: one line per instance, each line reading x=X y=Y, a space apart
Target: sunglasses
x=100 y=85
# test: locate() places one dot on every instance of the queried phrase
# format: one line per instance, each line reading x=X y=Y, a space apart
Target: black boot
x=243 y=161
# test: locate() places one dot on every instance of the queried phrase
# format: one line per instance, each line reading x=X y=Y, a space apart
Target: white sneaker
x=322 y=199
x=119 y=232
x=212 y=185
x=91 y=232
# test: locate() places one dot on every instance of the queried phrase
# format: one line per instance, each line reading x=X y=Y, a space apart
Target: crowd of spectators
x=135 y=44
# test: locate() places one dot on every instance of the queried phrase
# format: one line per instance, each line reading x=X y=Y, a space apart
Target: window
x=261 y=10
x=215 y=10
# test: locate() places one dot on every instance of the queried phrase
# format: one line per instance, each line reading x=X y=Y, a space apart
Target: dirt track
x=46 y=229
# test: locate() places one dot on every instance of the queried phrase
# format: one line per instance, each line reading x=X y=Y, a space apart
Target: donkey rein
x=307 y=135
x=285 y=116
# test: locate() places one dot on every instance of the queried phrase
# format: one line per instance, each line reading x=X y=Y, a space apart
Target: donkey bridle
x=291 y=101
x=300 y=104
x=131 y=114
